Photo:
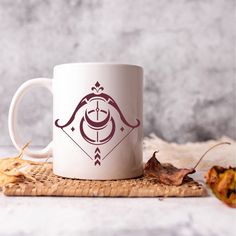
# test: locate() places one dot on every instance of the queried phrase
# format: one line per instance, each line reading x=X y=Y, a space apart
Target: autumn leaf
x=222 y=182
x=166 y=173
x=11 y=168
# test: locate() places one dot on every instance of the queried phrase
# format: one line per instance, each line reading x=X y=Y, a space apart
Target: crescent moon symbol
x=97 y=124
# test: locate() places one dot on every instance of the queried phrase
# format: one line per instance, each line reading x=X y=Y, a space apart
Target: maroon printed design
x=96 y=123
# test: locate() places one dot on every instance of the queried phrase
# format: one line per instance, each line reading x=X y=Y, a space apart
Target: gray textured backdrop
x=187 y=49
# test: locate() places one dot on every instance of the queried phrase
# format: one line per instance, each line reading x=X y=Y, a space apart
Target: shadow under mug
x=97 y=120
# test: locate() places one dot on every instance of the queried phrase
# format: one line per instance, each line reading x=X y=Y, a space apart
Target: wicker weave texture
x=48 y=184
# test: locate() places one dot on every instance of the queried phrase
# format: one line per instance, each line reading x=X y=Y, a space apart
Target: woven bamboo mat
x=48 y=184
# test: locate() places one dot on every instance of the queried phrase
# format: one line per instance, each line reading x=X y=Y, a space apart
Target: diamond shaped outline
x=119 y=142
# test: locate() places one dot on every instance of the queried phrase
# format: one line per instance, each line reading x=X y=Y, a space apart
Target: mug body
x=97 y=121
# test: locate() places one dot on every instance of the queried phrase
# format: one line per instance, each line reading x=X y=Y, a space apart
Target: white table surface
x=114 y=216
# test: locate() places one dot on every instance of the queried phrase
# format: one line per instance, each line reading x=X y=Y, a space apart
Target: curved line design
x=86 y=99
x=98 y=136
x=102 y=141
x=83 y=133
x=97 y=124
x=82 y=102
x=112 y=132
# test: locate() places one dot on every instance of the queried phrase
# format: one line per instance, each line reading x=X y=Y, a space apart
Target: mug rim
x=97 y=64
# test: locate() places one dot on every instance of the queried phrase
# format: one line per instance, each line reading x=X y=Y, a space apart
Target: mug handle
x=12 y=118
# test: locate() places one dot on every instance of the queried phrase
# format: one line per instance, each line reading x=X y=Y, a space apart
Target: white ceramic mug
x=98 y=124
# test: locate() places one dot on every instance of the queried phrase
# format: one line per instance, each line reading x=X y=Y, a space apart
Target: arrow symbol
x=97 y=162
x=97 y=156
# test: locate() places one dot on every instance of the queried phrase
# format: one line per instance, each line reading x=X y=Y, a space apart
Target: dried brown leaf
x=166 y=173
x=6 y=179
x=11 y=168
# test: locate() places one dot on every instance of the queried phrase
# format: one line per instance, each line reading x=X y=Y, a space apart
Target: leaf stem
x=218 y=144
